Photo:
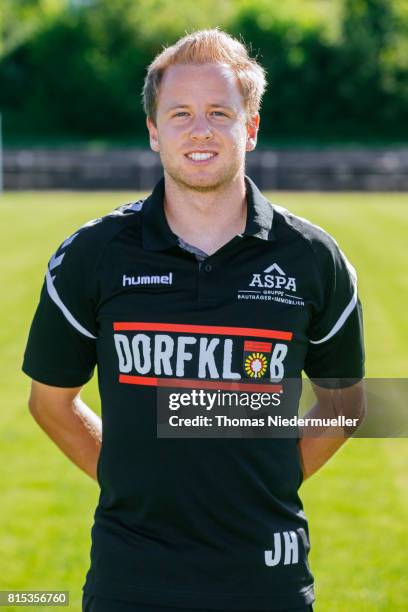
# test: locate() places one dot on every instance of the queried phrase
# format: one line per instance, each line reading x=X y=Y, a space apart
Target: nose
x=201 y=129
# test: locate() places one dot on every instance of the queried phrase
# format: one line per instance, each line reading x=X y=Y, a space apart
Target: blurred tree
x=299 y=61
x=20 y=19
x=76 y=67
x=370 y=37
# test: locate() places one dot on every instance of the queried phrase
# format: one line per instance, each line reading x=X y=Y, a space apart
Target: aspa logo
x=273 y=277
x=272 y=285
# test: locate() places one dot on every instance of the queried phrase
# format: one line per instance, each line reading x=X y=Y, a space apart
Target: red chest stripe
x=215 y=330
x=185 y=383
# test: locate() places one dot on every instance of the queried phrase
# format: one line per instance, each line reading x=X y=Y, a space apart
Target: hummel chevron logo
x=55 y=261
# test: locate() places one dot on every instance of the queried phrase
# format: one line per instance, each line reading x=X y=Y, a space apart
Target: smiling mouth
x=201 y=157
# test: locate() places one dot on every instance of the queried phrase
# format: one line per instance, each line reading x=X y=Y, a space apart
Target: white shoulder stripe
x=52 y=292
x=69 y=240
x=341 y=320
x=353 y=302
x=56 y=261
x=134 y=206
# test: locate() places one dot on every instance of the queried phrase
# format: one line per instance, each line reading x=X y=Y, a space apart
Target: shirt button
x=208 y=267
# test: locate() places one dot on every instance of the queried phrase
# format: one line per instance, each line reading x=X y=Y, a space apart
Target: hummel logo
x=164 y=279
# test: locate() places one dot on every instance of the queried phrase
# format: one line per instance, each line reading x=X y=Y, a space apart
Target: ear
x=252 y=132
x=153 y=135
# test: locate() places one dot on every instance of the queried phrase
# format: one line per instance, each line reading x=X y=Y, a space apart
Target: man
x=156 y=294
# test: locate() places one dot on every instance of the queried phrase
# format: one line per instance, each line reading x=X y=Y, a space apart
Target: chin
x=203 y=183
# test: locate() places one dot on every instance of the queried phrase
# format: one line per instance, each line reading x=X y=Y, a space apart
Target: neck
x=207 y=220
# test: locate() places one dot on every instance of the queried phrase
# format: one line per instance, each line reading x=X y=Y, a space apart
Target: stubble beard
x=208 y=184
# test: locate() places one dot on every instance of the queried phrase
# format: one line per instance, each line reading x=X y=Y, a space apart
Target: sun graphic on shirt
x=255 y=365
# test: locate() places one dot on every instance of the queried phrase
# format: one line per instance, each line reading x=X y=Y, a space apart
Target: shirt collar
x=259 y=213
x=157 y=235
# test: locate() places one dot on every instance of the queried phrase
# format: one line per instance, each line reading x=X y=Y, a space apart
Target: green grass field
x=357 y=505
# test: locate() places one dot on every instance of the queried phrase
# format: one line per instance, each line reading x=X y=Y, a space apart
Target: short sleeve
x=335 y=357
x=61 y=347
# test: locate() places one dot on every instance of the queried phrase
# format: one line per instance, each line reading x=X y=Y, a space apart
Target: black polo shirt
x=210 y=523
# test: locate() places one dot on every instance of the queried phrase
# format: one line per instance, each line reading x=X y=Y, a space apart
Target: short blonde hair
x=204 y=47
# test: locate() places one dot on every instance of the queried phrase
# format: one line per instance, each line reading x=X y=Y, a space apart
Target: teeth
x=200 y=156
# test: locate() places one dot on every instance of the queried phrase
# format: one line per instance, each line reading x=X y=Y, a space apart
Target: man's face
x=201 y=130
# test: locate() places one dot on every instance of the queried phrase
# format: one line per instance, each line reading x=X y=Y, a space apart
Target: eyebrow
x=213 y=105
x=176 y=106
